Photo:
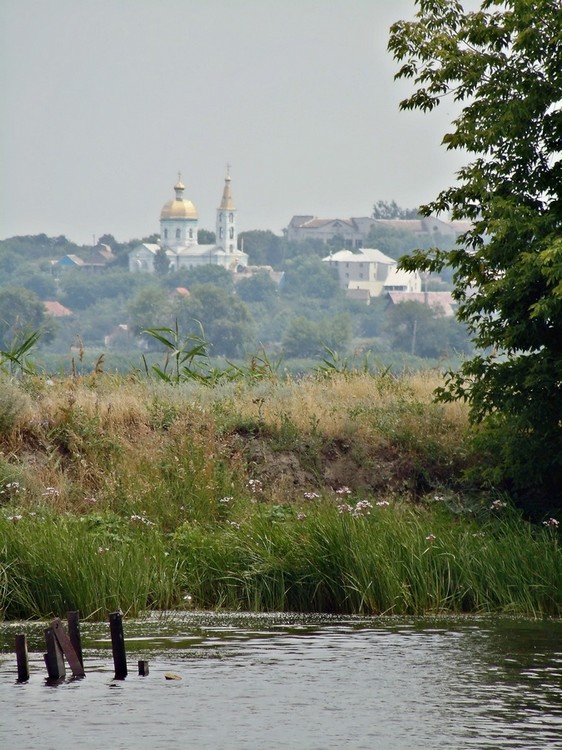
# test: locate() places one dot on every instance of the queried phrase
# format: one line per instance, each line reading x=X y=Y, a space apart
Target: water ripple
x=279 y=681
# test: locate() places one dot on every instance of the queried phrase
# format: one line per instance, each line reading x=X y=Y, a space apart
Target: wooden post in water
x=73 y=619
x=22 y=658
x=53 y=658
x=143 y=668
x=118 y=645
x=67 y=648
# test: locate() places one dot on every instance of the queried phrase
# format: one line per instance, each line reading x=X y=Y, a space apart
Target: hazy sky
x=104 y=102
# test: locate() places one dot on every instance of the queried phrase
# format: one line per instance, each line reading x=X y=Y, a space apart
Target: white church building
x=178 y=236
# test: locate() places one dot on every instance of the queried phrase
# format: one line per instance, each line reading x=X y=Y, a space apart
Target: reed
x=94 y=564
x=379 y=560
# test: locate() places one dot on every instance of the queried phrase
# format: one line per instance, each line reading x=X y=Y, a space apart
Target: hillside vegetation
x=340 y=492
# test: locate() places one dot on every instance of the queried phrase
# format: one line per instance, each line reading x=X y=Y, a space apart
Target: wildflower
x=430 y=538
x=382 y=504
x=255 y=485
x=345 y=508
x=12 y=488
x=498 y=505
x=51 y=492
x=362 y=508
x=187 y=598
x=226 y=500
x=233 y=524
x=301 y=516
x=15 y=518
x=102 y=550
x=438 y=498
x=311 y=495
x=90 y=500
x=552 y=523
x=343 y=491
x=141 y=519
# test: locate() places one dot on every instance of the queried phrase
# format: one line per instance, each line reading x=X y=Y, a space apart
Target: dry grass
x=106 y=439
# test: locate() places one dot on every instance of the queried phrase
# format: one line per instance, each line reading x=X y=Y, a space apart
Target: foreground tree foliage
x=503 y=62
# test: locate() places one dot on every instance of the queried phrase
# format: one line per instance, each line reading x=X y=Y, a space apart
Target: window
x=177 y=234
x=191 y=234
x=165 y=234
x=231 y=233
x=231 y=218
x=220 y=233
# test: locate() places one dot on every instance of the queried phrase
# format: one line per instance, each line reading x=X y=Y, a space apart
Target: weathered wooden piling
x=143 y=668
x=67 y=648
x=53 y=658
x=73 y=619
x=22 y=657
x=118 y=645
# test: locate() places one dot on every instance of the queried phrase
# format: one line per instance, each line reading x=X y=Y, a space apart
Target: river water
x=297 y=682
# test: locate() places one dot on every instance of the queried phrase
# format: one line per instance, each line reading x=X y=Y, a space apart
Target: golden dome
x=179 y=207
x=182 y=209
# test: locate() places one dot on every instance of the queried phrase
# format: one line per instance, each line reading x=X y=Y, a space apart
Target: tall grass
x=94 y=564
x=332 y=556
x=396 y=560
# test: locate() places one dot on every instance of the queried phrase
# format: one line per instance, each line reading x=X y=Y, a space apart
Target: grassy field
x=336 y=492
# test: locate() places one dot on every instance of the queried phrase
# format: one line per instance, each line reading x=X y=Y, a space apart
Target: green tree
x=308 y=338
x=21 y=311
x=368 y=320
x=205 y=237
x=259 y=287
x=150 y=308
x=161 y=262
x=80 y=289
x=503 y=64
x=337 y=242
x=226 y=322
x=391 y=210
x=309 y=276
x=421 y=330
x=262 y=246
x=31 y=277
x=205 y=274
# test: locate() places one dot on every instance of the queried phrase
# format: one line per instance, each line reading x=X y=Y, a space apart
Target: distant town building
x=56 y=309
x=370 y=273
x=440 y=302
x=95 y=259
x=178 y=236
x=354 y=231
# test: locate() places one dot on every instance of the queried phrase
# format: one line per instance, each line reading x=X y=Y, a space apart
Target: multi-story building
x=354 y=231
x=370 y=273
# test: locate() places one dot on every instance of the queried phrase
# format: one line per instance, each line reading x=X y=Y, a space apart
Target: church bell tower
x=227 y=235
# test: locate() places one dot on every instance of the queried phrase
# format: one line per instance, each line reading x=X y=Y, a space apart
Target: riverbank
x=343 y=493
